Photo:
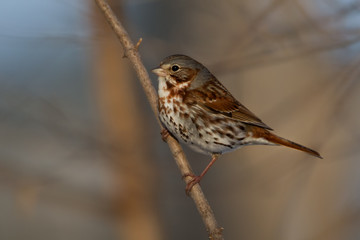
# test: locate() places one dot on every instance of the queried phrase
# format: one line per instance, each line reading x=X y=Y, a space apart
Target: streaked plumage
x=198 y=110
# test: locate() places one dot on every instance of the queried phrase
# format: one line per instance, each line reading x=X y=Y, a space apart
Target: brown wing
x=228 y=106
x=217 y=98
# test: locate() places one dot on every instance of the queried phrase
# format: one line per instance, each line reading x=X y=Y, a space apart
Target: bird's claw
x=164 y=134
x=195 y=179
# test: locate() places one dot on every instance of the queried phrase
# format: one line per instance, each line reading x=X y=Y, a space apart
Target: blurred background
x=81 y=155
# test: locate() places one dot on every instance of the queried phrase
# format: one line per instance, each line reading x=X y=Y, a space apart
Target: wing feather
x=215 y=97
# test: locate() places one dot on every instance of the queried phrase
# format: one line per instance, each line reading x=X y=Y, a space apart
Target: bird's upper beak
x=159 y=71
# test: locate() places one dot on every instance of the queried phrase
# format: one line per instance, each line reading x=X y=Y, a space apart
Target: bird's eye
x=174 y=68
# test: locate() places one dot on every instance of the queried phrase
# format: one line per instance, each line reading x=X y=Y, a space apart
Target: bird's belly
x=202 y=131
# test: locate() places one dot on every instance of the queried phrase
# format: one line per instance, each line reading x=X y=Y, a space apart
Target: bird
x=195 y=108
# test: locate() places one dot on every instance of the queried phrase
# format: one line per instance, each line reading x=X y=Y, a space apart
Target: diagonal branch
x=214 y=231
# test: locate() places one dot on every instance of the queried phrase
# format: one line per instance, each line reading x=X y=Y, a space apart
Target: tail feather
x=282 y=141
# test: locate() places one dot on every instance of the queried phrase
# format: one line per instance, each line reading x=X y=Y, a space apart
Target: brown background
x=80 y=152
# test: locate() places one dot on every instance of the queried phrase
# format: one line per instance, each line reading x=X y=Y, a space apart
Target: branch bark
x=131 y=52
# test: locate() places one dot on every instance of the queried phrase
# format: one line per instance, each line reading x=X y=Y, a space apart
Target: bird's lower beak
x=159 y=71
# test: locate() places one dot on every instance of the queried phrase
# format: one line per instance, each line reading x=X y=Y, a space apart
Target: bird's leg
x=196 y=179
x=164 y=134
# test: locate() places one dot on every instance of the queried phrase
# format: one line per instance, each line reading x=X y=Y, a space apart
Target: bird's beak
x=159 y=71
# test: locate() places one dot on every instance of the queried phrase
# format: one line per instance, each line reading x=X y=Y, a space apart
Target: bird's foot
x=195 y=179
x=164 y=134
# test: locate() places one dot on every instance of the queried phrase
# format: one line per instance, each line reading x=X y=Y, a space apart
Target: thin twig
x=130 y=51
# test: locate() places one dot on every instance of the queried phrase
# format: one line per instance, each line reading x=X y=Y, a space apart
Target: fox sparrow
x=198 y=110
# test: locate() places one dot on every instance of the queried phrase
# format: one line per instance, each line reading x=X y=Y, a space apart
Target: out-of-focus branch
x=245 y=37
x=251 y=61
x=214 y=231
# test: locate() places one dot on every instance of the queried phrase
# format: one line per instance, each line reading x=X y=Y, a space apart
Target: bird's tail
x=263 y=133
